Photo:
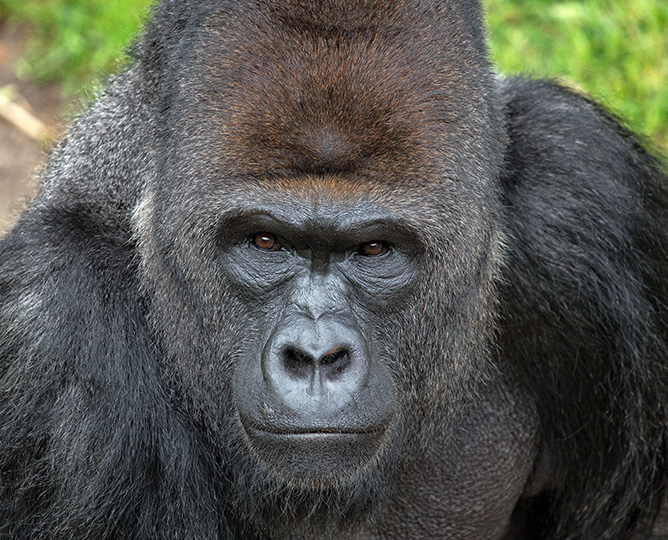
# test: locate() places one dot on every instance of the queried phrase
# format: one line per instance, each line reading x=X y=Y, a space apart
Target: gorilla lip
x=316 y=452
x=323 y=436
x=324 y=432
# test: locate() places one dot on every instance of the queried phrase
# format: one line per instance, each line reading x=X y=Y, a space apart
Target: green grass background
x=615 y=50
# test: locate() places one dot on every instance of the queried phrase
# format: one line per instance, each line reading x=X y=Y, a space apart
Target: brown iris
x=266 y=241
x=374 y=248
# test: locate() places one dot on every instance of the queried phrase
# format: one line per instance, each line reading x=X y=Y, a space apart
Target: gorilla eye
x=266 y=241
x=374 y=248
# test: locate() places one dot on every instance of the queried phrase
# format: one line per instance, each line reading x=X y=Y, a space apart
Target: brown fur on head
x=372 y=87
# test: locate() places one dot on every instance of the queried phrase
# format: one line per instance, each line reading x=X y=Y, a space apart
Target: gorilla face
x=312 y=393
x=326 y=317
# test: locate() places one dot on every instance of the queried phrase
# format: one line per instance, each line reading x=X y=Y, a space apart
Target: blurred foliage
x=74 y=41
x=615 y=50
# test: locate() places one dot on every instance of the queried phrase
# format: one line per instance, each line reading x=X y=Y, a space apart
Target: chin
x=309 y=484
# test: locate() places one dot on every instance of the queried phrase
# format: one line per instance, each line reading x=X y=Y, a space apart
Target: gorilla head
x=308 y=309
x=283 y=249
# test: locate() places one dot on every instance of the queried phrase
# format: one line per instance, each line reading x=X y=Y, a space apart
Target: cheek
x=204 y=333
x=445 y=346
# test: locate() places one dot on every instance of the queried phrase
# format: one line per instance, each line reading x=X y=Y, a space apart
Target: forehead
x=331 y=194
x=285 y=96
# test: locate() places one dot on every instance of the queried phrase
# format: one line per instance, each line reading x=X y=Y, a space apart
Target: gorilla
x=312 y=270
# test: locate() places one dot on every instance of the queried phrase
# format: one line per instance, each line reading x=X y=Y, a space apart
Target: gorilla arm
x=81 y=405
x=584 y=305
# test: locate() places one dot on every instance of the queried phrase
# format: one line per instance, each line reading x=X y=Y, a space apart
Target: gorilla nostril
x=335 y=362
x=298 y=363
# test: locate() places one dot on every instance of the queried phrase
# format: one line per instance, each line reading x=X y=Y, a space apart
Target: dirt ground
x=21 y=156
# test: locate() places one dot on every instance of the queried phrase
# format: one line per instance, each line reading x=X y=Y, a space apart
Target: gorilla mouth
x=269 y=431
x=315 y=451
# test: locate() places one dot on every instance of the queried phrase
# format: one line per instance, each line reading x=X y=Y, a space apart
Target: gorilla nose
x=310 y=363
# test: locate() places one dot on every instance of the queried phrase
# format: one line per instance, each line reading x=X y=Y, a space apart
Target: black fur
x=529 y=359
x=584 y=304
